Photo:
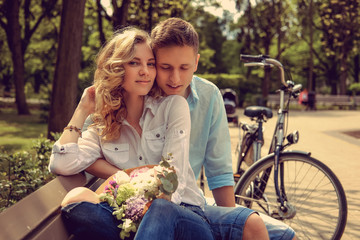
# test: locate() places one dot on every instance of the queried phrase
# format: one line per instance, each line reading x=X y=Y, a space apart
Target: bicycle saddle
x=258 y=111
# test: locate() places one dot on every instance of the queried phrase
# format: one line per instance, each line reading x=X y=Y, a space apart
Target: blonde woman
x=133 y=126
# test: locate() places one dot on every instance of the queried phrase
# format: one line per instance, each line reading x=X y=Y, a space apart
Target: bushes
x=245 y=89
x=23 y=172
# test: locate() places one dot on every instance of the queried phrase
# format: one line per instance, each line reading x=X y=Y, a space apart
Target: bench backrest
x=37 y=216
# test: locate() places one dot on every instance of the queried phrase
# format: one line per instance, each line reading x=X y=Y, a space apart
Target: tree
x=340 y=26
x=10 y=10
x=65 y=85
x=259 y=27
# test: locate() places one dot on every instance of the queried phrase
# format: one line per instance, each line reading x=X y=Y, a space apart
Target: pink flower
x=136 y=172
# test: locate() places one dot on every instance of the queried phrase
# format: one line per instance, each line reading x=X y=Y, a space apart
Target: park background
x=48 y=47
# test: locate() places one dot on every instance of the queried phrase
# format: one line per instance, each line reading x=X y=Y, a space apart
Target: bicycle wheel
x=316 y=201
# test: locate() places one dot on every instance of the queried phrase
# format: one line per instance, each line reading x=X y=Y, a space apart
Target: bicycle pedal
x=275 y=214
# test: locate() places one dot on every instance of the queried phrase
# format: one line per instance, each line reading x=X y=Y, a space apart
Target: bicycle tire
x=312 y=189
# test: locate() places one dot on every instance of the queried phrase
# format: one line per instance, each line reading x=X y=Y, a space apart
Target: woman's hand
x=85 y=107
x=87 y=101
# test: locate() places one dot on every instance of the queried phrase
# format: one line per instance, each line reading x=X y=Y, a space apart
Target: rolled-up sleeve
x=72 y=158
x=218 y=159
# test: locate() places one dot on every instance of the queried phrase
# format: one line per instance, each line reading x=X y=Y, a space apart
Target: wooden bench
x=38 y=215
x=340 y=101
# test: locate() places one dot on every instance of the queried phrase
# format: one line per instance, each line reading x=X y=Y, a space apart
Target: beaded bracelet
x=71 y=127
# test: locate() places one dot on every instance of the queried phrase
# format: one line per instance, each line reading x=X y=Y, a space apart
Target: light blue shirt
x=209 y=138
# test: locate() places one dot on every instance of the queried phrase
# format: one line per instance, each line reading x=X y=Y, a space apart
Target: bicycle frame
x=277 y=141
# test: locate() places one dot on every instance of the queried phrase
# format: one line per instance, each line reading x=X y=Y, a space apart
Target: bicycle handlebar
x=264 y=60
x=253 y=58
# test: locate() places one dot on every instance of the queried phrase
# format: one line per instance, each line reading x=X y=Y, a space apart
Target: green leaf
x=167 y=185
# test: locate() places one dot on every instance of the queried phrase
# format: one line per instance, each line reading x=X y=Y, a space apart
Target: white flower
x=145 y=182
x=121 y=177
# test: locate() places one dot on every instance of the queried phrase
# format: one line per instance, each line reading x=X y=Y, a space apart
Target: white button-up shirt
x=165 y=124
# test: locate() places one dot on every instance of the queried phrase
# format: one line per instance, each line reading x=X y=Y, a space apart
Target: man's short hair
x=174 y=32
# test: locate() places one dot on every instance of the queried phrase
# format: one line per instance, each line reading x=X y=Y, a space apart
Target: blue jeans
x=95 y=221
x=228 y=223
x=166 y=220
x=89 y=221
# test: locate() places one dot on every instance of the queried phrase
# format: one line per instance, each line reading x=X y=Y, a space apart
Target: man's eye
x=165 y=67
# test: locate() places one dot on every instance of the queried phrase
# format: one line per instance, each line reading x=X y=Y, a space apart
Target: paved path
x=322 y=134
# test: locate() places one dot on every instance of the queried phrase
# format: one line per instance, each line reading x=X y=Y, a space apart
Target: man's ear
x=197 y=62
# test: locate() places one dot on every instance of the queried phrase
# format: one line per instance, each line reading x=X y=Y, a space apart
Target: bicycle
x=288 y=185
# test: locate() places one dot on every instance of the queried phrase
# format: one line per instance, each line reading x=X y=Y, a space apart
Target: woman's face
x=140 y=72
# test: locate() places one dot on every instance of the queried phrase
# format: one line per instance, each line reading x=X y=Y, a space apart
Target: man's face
x=175 y=67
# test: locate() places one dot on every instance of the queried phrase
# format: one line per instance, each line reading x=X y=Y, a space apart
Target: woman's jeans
x=163 y=220
x=89 y=221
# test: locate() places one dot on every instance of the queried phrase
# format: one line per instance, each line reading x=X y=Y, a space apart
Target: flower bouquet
x=130 y=192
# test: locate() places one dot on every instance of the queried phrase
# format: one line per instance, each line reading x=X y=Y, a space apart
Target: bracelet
x=71 y=127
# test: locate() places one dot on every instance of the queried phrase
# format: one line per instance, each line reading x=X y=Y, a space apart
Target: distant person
x=303 y=99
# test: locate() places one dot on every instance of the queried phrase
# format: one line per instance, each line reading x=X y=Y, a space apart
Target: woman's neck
x=134 y=108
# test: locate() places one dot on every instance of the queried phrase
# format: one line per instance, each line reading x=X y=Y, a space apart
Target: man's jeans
x=166 y=220
x=228 y=223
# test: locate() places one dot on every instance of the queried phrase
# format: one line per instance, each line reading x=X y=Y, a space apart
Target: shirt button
x=116 y=149
x=140 y=158
x=181 y=131
x=158 y=135
x=62 y=149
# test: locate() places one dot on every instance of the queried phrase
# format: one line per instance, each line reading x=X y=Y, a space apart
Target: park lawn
x=17 y=132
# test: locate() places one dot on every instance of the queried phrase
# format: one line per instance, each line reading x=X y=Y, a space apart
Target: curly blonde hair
x=110 y=109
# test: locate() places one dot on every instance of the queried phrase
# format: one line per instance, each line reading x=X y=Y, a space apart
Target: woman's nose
x=144 y=71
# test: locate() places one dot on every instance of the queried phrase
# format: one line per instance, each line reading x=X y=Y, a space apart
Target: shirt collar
x=151 y=104
x=193 y=97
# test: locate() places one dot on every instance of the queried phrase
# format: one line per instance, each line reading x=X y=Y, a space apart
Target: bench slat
x=33 y=213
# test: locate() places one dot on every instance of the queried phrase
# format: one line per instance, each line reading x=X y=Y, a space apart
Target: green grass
x=17 y=132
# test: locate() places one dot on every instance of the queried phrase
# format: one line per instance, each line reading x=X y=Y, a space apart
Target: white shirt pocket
x=155 y=140
x=116 y=153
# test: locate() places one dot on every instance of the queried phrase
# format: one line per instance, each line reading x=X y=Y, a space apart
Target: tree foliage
x=340 y=35
x=318 y=40
x=12 y=14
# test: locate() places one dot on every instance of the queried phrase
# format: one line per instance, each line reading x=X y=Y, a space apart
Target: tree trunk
x=311 y=84
x=100 y=23
x=65 y=85
x=14 y=41
x=343 y=74
x=332 y=75
x=120 y=14
x=356 y=68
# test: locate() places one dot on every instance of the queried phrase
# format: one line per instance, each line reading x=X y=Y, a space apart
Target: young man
x=175 y=44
